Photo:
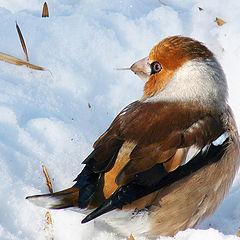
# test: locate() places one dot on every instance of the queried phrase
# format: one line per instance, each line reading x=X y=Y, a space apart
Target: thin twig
x=122 y=68
x=48 y=226
x=48 y=181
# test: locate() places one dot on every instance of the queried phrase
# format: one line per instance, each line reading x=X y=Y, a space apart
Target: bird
x=167 y=160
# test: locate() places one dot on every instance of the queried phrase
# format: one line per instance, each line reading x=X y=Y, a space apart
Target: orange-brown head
x=182 y=69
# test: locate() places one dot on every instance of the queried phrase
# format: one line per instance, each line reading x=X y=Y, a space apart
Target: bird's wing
x=201 y=133
x=136 y=189
x=171 y=151
x=161 y=130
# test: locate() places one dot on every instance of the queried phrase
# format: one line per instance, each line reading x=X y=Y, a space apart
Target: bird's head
x=182 y=69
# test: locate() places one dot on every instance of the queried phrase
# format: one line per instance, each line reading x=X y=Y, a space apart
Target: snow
x=45 y=118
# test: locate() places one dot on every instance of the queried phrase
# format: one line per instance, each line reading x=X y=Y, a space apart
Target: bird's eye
x=156 y=67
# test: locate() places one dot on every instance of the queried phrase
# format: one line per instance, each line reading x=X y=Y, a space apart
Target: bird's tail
x=58 y=200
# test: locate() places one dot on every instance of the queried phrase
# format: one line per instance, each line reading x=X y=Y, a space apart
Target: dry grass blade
x=89 y=105
x=163 y=3
x=49 y=184
x=45 y=12
x=131 y=237
x=48 y=218
x=17 y=61
x=49 y=227
x=219 y=21
x=22 y=42
x=238 y=234
x=122 y=69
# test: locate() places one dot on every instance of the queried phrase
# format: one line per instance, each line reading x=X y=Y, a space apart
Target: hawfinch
x=167 y=160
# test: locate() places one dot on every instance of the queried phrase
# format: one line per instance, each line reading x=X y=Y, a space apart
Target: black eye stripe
x=155 y=67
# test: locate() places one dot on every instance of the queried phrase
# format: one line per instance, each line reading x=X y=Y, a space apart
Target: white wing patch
x=220 y=140
x=193 y=150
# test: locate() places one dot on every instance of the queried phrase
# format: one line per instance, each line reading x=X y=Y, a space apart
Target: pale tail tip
x=49 y=202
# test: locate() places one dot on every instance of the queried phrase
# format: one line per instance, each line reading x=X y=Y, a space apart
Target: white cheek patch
x=201 y=81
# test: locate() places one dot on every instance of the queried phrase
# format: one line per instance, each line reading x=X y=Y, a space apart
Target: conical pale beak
x=142 y=69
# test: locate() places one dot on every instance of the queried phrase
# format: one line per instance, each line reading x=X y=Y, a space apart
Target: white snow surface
x=45 y=118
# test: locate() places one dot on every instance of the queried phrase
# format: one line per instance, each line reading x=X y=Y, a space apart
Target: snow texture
x=45 y=117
